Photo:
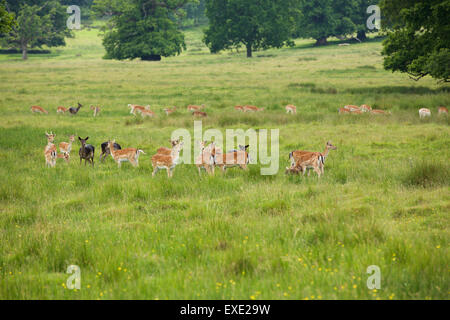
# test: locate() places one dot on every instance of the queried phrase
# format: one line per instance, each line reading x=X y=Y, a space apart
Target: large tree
x=418 y=41
x=255 y=24
x=6 y=19
x=142 y=29
x=37 y=24
x=322 y=19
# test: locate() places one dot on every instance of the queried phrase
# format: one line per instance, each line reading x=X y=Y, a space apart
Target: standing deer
x=168 y=162
x=206 y=158
x=167 y=151
x=86 y=151
x=291 y=109
x=66 y=147
x=64 y=156
x=73 y=110
x=442 y=110
x=123 y=155
x=61 y=109
x=135 y=108
x=105 y=150
x=37 y=109
x=303 y=160
x=169 y=111
x=424 y=112
x=50 y=153
x=195 y=108
x=232 y=159
x=147 y=113
x=96 y=110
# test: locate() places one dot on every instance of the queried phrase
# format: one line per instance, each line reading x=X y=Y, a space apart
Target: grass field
x=384 y=199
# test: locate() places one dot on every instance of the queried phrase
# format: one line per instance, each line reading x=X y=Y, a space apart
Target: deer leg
x=155 y=171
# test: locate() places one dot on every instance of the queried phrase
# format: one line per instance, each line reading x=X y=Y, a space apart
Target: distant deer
x=232 y=159
x=168 y=162
x=37 y=109
x=206 y=158
x=291 y=109
x=66 y=147
x=352 y=108
x=147 y=113
x=195 y=108
x=199 y=114
x=86 y=151
x=135 y=108
x=376 y=111
x=50 y=153
x=96 y=110
x=105 y=150
x=252 y=109
x=343 y=111
x=64 y=156
x=130 y=154
x=303 y=160
x=239 y=108
x=424 y=112
x=61 y=109
x=169 y=111
x=167 y=151
x=365 y=108
x=73 y=110
x=442 y=110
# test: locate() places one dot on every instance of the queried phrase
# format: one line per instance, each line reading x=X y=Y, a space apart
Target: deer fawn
x=442 y=110
x=232 y=159
x=291 y=109
x=66 y=147
x=129 y=154
x=206 y=158
x=303 y=160
x=96 y=110
x=61 y=109
x=86 y=151
x=137 y=108
x=168 y=162
x=50 y=153
x=105 y=150
x=37 y=109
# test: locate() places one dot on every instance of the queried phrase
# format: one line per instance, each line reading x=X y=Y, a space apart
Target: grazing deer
x=66 y=147
x=365 y=108
x=137 y=108
x=252 y=109
x=239 y=108
x=96 y=110
x=147 y=113
x=167 y=151
x=376 y=111
x=169 y=111
x=168 y=162
x=232 y=159
x=352 y=108
x=86 y=151
x=129 y=154
x=206 y=158
x=50 y=153
x=73 y=110
x=343 y=110
x=442 y=110
x=304 y=160
x=105 y=150
x=291 y=109
x=195 y=108
x=61 y=109
x=37 y=109
x=199 y=114
x=424 y=112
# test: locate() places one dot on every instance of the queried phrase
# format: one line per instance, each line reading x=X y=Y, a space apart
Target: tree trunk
x=321 y=41
x=249 y=50
x=361 y=35
x=24 y=52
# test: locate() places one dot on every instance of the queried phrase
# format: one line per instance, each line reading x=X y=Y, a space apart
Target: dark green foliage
x=252 y=23
x=6 y=19
x=418 y=40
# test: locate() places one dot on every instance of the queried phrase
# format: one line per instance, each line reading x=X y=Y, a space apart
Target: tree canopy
x=255 y=24
x=6 y=19
x=418 y=38
x=142 y=29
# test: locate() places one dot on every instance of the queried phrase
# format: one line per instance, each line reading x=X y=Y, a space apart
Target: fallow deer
x=137 y=108
x=442 y=110
x=168 y=162
x=73 y=110
x=199 y=114
x=376 y=111
x=239 y=108
x=66 y=147
x=206 y=158
x=38 y=109
x=105 y=150
x=169 y=111
x=365 y=108
x=123 y=155
x=343 y=111
x=50 y=153
x=86 y=151
x=61 y=109
x=252 y=109
x=303 y=160
x=291 y=109
x=64 y=156
x=352 y=108
x=147 y=113
x=424 y=112
x=96 y=110
x=232 y=159
x=195 y=108
x=167 y=151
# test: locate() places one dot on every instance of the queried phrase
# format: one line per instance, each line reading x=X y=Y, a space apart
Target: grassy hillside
x=384 y=199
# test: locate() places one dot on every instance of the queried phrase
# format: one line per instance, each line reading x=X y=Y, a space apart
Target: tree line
x=417 y=32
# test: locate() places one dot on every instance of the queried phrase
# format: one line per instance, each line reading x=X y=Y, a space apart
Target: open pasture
x=384 y=198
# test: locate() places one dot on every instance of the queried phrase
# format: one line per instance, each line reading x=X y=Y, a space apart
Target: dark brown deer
x=106 y=150
x=86 y=151
x=73 y=110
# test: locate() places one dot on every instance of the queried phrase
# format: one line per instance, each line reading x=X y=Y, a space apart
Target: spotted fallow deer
x=291 y=109
x=168 y=162
x=50 y=152
x=424 y=112
x=135 y=108
x=239 y=108
x=232 y=159
x=61 y=109
x=303 y=160
x=169 y=111
x=38 y=109
x=195 y=108
x=252 y=109
x=200 y=114
x=147 y=113
x=442 y=110
x=96 y=110
x=66 y=147
x=167 y=151
x=365 y=108
x=129 y=154
x=206 y=158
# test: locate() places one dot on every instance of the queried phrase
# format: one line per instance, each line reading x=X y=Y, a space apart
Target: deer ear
x=79 y=138
x=246 y=147
x=86 y=138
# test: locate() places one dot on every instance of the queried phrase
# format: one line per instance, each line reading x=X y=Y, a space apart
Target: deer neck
x=111 y=149
x=325 y=153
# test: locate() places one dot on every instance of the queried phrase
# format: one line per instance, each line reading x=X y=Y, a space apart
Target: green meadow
x=384 y=199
